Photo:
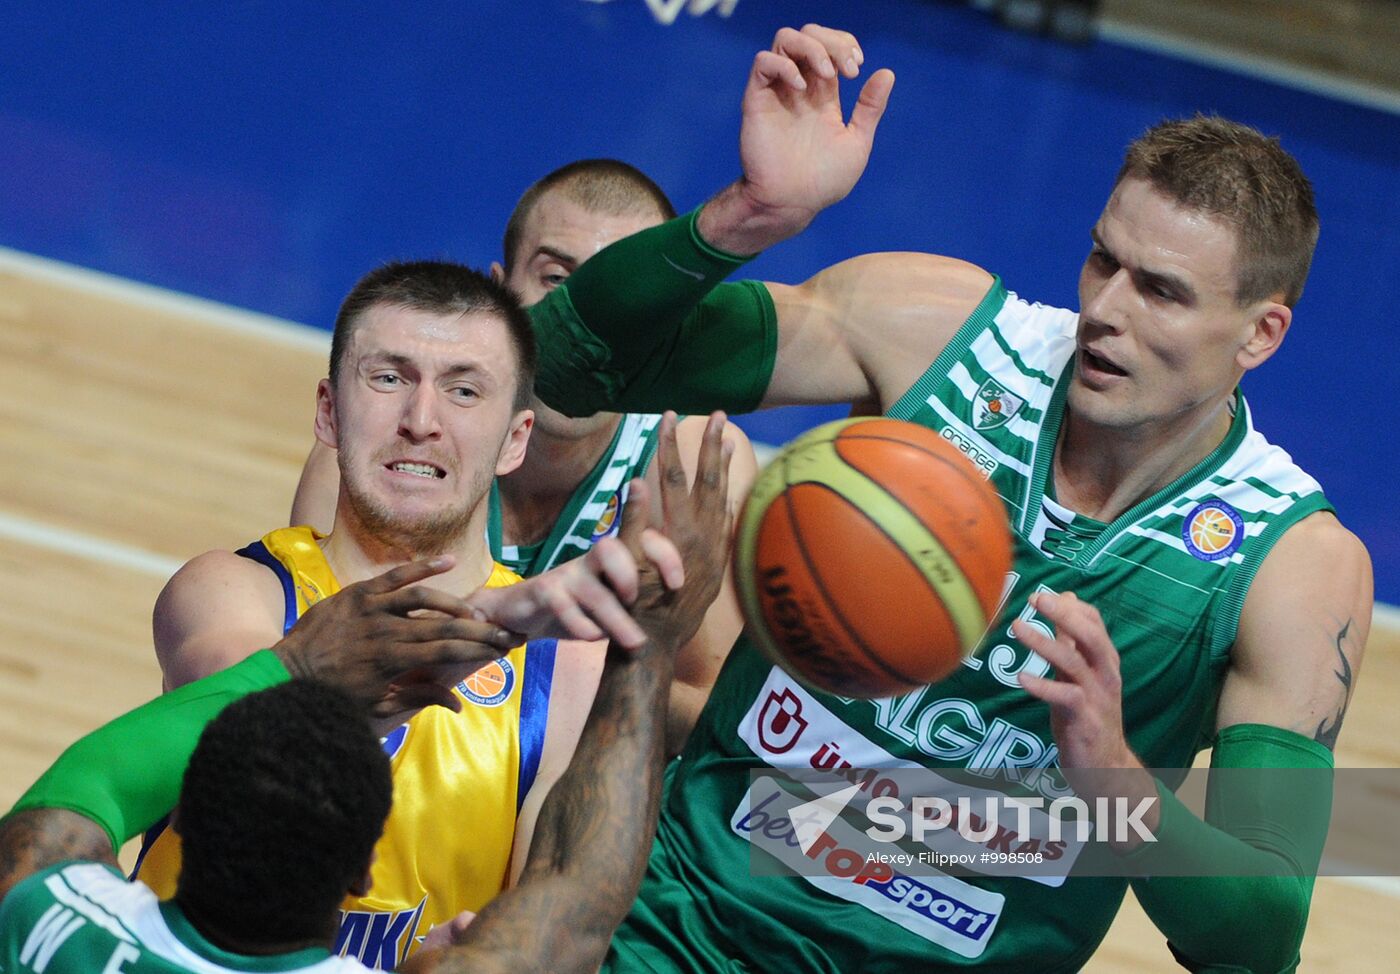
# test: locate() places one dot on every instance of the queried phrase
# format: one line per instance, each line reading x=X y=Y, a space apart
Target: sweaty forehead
x=431 y=339
x=1142 y=225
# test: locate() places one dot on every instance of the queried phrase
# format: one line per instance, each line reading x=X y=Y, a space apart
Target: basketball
x=870 y=557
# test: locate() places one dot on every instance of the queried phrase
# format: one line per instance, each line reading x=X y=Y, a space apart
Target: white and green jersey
x=592 y=512
x=85 y=918
x=1169 y=577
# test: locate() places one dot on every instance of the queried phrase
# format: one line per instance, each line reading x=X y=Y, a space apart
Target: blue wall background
x=267 y=154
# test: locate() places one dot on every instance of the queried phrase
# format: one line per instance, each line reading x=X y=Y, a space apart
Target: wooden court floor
x=140 y=428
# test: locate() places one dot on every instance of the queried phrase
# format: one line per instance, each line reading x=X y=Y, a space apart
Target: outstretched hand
x=392 y=644
x=588 y=597
x=695 y=519
x=799 y=154
x=622 y=588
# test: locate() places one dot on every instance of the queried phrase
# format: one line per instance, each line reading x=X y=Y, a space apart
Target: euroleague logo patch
x=607 y=524
x=490 y=685
x=1213 y=530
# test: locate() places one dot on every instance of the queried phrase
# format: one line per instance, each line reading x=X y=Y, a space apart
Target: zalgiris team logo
x=994 y=405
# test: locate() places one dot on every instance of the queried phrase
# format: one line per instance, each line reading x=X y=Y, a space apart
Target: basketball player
x=571 y=483
x=426 y=401
x=1177 y=583
x=275 y=834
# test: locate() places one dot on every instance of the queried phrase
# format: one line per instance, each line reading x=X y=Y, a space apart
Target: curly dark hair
x=283 y=801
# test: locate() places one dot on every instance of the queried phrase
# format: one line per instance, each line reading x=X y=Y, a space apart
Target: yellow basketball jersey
x=458 y=782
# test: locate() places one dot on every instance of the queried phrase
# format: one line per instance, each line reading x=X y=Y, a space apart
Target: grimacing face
x=558 y=236
x=1161 y=338
x=422 y=418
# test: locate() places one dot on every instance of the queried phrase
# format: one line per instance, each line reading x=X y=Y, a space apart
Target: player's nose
x=1106 y=305
x=420 y=419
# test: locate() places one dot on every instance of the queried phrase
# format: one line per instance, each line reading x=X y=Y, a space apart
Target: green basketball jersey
x=592 y=512
x=1168 y=576
x=84 y=918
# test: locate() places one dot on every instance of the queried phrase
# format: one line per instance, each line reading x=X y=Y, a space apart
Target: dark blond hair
x=1246 y=179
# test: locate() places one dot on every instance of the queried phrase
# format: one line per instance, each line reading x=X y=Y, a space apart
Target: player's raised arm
x=586 y=598
x=699 y=661
x=625 y=329
x=798 y=151
x=696 y=664
x=645 y=324
x=595 y=828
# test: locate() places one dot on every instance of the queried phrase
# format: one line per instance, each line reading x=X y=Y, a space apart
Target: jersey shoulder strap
x=294 y=555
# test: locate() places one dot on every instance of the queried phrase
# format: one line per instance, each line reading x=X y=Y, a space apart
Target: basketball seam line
x=826 y=595
x=968 y=476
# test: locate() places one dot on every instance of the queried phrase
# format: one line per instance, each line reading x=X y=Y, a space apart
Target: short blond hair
x=1245 y=178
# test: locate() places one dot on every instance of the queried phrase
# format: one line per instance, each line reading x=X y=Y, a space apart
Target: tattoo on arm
x=40 y=837
x=1327 y=734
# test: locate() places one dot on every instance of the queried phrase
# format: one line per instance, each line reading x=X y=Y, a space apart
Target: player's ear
x=1268 y=324
x=513 y=450
x=325 y=414
x=498 y=273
